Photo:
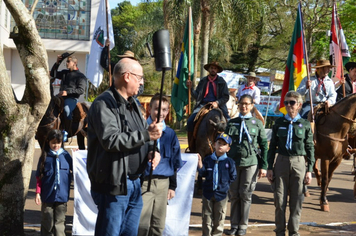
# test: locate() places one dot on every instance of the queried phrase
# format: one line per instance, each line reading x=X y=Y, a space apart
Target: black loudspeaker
x=162 y=50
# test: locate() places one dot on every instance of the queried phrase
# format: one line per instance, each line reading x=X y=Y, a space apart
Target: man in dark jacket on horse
x=211 y=89
x=350 y=80
x=73 y=83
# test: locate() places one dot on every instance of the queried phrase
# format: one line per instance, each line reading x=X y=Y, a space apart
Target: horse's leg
x=317 y=172
x=324 y=184
x=355 y=187
x=80 y=141
x=332 y=167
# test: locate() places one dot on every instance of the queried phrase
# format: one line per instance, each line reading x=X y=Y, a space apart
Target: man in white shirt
x=250 y=88
x=322 y=87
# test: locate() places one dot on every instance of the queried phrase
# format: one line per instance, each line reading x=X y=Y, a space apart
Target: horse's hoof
x=325 y=207
x=307 y=194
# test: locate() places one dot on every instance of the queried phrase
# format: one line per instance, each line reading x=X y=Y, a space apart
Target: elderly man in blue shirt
x=322 y=87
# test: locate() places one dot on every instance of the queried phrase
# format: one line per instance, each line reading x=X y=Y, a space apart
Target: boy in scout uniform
x=247 y=135
x=292 y=138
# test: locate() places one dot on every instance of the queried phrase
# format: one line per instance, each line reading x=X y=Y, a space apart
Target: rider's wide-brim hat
x=252 y=75
x=214 y=63
x=128 y=54
x=322 y=63
x=350 y=65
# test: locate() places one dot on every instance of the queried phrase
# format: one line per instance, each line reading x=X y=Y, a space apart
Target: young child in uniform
x=54 y=176
x=219 y=171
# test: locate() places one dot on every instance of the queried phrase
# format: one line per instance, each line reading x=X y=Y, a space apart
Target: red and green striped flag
x=296 y=68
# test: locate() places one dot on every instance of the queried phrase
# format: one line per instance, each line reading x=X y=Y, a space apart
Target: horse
x=53 y=116
x=331 y=141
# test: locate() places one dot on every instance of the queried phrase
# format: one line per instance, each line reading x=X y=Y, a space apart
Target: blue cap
x=224 y=137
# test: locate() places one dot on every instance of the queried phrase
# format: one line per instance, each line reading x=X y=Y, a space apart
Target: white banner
x=94 y=69
x=178 y=209
x=85 y=210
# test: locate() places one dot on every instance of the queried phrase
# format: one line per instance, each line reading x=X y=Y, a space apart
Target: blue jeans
x=69 y=106
x=120 y=214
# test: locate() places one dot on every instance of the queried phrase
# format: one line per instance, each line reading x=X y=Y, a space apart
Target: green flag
x=179 y=98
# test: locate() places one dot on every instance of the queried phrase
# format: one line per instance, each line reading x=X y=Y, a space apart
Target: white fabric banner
x=179 y=208
x=94 y=69
x=85 y=210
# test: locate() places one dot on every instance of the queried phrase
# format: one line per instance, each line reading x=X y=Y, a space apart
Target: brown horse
x=331 y=141
x=54 y=114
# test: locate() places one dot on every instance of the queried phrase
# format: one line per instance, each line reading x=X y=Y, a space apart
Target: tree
x=19 y=119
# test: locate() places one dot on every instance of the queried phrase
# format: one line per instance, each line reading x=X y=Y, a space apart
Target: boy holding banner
x=219 y=171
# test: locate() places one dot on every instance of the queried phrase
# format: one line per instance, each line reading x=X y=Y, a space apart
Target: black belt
x=156 y=177
x=133 y=177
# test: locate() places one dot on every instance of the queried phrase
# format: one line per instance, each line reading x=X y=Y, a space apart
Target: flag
x=94 y=70
x=335 y=51
x=179 y=97
x=344 y=48
x=296 y=68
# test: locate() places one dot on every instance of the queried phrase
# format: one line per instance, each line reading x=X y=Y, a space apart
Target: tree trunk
x=205 y=36
x=197 y=28
x=19 y=120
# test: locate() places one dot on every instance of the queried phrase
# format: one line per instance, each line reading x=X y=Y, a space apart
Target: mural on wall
x=62 y=19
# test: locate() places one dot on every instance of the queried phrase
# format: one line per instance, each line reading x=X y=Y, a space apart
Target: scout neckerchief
x=243 y=128
x=320 y=85
x=57 y=179
x=248 y=87
x=216 y=168
x=290 y=130
x=149 y=121
x=211 y=81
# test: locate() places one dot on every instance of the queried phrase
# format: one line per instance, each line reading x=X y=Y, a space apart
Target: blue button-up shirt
x=330 y=94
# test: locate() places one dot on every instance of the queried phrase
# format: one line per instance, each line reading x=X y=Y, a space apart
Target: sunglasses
x=292 y=103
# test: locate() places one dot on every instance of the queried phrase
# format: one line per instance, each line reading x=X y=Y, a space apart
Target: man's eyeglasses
x=138 y=77
x=292 y=103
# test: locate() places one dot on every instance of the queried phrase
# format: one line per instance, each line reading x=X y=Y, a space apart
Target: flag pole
x=108 y=37
x=307 y=65
x=189 y=56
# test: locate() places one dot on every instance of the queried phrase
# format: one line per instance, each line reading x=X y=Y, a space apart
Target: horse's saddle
x=200 y=115
x=320 y=110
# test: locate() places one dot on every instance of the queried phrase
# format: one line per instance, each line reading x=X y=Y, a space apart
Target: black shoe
x=241 y=232
x=232 y=231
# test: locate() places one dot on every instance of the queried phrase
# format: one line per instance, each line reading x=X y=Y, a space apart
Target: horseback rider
x=322 y=87
x=73 y=84
x=250 y=88
x=211 y=89
x=350 y=81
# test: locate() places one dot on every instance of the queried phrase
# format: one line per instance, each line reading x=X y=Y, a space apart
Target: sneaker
x=241 y=232
x=232 y=231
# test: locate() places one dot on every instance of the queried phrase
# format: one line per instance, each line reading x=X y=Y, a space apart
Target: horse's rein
x=346 y=118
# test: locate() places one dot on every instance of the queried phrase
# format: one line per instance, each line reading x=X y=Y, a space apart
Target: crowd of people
x=124 y=149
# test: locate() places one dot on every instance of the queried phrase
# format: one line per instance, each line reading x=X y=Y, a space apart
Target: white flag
x=94 y=69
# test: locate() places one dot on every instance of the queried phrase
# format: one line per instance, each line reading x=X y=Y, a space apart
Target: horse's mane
x=345 y=99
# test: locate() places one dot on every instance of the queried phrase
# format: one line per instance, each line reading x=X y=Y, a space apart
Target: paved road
x=341 y=220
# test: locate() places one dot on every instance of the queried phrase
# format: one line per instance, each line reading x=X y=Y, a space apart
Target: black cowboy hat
x=214 y=63
x=350 y=65
x=64 y=56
